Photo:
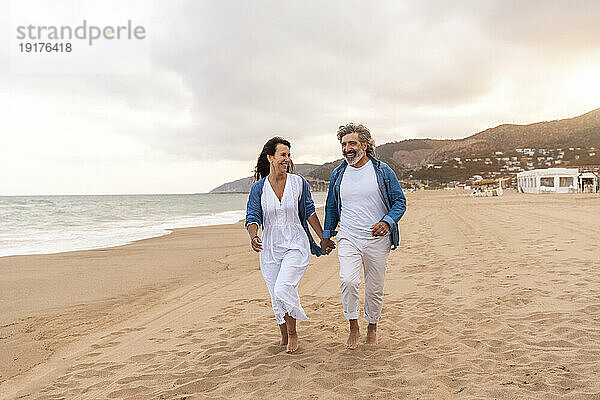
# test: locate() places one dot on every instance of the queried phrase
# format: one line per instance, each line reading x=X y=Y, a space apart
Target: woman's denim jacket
x=306 y=208
x=391 y=193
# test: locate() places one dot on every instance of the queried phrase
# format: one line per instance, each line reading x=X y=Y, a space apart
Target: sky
x=190 y=106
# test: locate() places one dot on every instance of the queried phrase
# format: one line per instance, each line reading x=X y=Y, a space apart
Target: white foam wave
x=49 y=242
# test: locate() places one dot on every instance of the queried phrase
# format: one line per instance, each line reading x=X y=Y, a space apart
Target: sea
x=55 y=224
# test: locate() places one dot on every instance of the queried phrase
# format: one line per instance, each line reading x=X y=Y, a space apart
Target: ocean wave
x=55 y=224
x=59 y=241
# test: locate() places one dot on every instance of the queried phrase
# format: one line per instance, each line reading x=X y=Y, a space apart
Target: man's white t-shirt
x=362 y=204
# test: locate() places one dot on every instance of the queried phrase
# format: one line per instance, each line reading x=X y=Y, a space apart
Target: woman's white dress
x=286 y=250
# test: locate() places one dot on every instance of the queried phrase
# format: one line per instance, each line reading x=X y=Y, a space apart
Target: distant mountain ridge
x=583 y=130
x=243 y=185
x=413 y=154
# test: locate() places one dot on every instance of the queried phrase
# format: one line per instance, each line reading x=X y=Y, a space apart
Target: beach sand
x=485 y=298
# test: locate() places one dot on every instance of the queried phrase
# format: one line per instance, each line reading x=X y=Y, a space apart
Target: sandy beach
x=486 y=298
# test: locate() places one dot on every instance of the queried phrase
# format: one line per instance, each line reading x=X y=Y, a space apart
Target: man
x=366 y=199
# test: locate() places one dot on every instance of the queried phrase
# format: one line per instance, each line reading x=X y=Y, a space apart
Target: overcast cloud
x=224 y=76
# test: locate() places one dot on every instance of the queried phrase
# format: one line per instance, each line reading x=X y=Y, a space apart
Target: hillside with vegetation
x=502 y=151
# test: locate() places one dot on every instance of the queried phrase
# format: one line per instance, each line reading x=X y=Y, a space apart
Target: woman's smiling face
x=281 y=160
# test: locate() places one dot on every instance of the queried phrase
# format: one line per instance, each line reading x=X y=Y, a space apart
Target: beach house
x=551 y=180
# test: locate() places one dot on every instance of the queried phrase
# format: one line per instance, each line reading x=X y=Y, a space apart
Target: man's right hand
x=327 y=245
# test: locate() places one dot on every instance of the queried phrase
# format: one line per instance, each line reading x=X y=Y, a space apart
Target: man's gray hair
x=364 y=136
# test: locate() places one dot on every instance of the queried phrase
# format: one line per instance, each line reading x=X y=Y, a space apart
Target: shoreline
x=167 y=231
x=106 y=236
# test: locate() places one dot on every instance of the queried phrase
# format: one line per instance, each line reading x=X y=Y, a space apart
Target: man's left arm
x=398 y=201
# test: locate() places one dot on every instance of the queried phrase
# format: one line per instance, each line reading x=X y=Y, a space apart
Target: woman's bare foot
x=292 y=345
x=372 y=334
x=292 y=335
x=352 y=342
x=284 y=335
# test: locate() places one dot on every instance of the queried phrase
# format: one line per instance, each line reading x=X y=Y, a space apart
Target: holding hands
x=379 y=229
x=327 y=245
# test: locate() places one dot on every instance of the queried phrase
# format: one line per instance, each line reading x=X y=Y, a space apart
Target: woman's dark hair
x=263 y=167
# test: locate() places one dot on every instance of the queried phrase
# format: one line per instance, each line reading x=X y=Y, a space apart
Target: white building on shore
x=551 y=180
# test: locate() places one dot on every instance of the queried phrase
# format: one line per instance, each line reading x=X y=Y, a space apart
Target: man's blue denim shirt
x=391 y=192
x=306 y=208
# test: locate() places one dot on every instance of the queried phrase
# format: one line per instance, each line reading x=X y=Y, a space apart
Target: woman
x=281 y=202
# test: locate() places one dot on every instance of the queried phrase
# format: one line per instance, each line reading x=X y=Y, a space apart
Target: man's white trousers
x=372 y=255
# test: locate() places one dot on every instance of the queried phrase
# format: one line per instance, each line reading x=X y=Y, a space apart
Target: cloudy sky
x=190 y=106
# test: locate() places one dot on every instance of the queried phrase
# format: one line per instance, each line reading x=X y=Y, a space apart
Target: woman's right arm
x=254 y=238
x=254 y=217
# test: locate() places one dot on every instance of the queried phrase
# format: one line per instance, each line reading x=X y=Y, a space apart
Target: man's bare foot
x=352 y=342
x=292 y=345
x=372 y=334
x=284 y=335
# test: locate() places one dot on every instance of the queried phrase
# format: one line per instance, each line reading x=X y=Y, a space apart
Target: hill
x=415 y=155
x=243 y=185
x=580 y=131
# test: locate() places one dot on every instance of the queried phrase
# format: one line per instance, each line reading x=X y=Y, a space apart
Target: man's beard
x=357 y=157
